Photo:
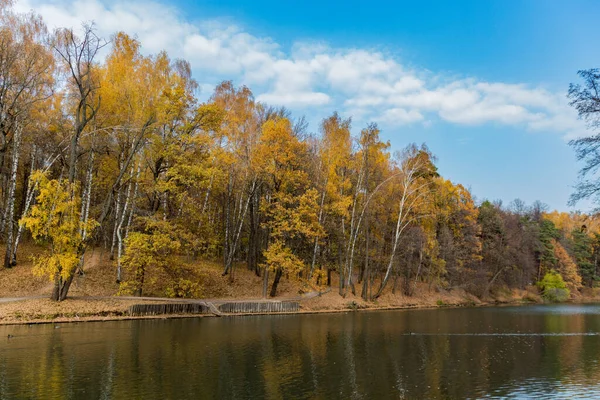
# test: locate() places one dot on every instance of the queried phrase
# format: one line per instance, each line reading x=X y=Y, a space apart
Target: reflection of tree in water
x=355 y=355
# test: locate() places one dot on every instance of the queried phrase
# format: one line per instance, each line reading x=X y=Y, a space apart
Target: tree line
x=101 y=145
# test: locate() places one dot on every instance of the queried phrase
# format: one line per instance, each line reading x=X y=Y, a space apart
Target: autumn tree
x=371 y=171
x=582 y=250
x=566 y=267
x=153 y=246
x=117 y=136
x=55 y=221
x=291 y=209
x=148 y=109
x=456 y=230
x=416 y=169
x=333 y=169
x=26 y=81
x=238 y=139
x=545 y=252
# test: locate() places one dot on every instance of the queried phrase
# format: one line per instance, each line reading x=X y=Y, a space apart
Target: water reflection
x=516 y=352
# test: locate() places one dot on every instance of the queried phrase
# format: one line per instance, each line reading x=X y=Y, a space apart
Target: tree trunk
x=85 y=205
x=254 y=235
x=28 y=199
x=236 y=239
x=10 y=201
x=316 y=242
x=3 y=150
x=278 y=274
x=227 y=215
x=119 y=227
x=61 y=287
x=118 y=214
x=366 y=270
x=400 y=225
x=117 y=218
x=135 y=193
x=139 y=278
x=491 y=282
x=265 y=282
x=419 y=268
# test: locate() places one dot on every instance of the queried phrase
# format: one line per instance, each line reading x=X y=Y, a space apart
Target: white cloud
x=398 y=116
x=293 y=99
x=367 y=84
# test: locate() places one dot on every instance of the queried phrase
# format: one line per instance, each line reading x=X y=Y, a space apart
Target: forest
x=103 y=146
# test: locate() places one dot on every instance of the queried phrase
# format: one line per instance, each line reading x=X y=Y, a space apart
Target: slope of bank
x=95 y=294
x=88 y=308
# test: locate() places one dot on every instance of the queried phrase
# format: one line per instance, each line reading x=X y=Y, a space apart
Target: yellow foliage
x=55 y=220
x=152 y=248
x=567 y=222
x=566 y=266
x=278 y=256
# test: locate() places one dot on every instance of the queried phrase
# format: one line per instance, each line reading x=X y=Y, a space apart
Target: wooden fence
x=259 y=307
x=169 y=308
x=239 y=307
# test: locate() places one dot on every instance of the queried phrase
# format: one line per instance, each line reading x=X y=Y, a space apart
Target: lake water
x=535 y=352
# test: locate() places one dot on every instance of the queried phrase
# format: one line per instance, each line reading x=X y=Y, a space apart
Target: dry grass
x=71 y=310
x=20 y=281
x=422 y=297
x=99 y=280
x=505 y=295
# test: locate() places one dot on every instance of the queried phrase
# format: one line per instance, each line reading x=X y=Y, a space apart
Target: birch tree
x=26 y=80
x=415 y=169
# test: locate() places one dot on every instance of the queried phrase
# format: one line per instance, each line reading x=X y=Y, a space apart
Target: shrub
x=553 y=287
x=556 y=295
x=184 y=288
x=353 y=305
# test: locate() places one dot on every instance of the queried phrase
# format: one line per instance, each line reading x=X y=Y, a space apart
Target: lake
x=539 y=351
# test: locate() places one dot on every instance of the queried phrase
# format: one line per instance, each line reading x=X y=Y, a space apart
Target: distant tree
x=554 y=288
x=582 y=253
x=518 y=206
x=585 y=98
x=537 y=210
x=567 y=267
x=494 y=244
x=545 y=251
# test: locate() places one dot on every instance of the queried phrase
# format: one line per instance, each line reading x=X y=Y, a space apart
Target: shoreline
x=121 y=316
x=36 y=310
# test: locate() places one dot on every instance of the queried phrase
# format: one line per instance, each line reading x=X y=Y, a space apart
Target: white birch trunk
x=316 y=244
x=28 y=200
x=119 y=227
x=10 y=201
x=85 y=205
x=238 y=232
x=132 y=209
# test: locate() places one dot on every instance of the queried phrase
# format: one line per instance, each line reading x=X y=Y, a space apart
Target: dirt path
x=13 y=299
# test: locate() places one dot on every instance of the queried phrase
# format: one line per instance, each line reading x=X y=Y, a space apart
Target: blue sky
x=483 y=83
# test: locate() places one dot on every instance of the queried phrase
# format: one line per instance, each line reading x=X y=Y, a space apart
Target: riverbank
x=94 y=295
x=82 y=309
